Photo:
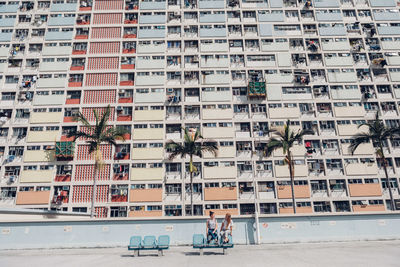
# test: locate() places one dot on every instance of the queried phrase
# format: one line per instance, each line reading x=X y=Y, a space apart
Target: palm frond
x=79 y=117
x=357 y=140
x=272 y=145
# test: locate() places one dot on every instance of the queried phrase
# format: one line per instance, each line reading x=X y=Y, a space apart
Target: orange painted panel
x=368 y=208
x=142 y=213
x=33 y=197
x=365 y=190
x=145 y=195
x=300 y=191
x=223 y=193
x=298 y=210
x=222 y=212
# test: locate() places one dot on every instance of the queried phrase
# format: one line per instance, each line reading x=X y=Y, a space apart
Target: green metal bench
x=149 y=243
x=199 y=242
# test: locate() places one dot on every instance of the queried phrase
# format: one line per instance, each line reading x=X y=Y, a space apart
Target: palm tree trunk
x=384 y=163
x=96 y=173
x=94 y=191
x=291 y=173
x=191 y=184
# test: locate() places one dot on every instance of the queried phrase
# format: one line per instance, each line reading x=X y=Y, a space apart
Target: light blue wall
x=63 y=7
x=17 y=235
x=153 y=5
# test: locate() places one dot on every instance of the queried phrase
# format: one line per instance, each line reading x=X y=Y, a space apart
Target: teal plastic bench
x=149 y=243
x=200 y=242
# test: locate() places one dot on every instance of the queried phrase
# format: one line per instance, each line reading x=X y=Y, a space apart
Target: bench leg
x=225 y=251
x=160 y=253
x=201 y=252
x=136 y=253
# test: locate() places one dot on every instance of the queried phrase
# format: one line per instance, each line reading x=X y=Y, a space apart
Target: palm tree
x=193 y=145
x=285 y=140
x=95 y=135
x=378 y=133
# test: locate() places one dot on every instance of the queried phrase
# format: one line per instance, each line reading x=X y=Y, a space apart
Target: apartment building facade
x=232 y=69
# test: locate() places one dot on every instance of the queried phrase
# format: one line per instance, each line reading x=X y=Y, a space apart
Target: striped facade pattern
x=108 y=4
x=101 y=63
x=106 y=18
x=83 y=152
x=106 y=33
x=101 y=212
x=101 y=96
x=83 y=193
x=89 y=130
x=101 y=79
x=85 y=173
x=104 y=48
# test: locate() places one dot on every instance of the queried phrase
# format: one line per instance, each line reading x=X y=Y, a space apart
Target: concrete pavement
x=341 y=254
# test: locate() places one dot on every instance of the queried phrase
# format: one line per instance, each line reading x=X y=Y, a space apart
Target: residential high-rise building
x=232 y=69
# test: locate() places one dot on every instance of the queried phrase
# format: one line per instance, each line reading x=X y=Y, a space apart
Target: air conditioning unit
x=11 y=179
x=114 y=186
x=122 y=91
x=119 y=108
x=65 y=187
x=170 y=90
x=259 y=167
x=68 y=168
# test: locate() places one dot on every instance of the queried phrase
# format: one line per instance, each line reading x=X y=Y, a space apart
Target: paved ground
x=342 y=254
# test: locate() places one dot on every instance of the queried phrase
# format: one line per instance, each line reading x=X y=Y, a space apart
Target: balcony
x=39 y=156
x=214 y=47
x=300 y=191
x=63 y=7
x=219 y=172
x=357 y=111
x=217 y=114
x=33 y=198
x=283 y=113
x=148 y=134
x=365 y=190
x=145 y=213
x=147 y=174
x=298 y=210
x=45 y=117
x=149 y=115
x=218 y=132
x=358 y=169
x=148 y=153
x=146 y=195
x=217 y=193
x=151 y=48
x=152 y=19
x=216 y=96
x=53 y=66
x=296 y=150
x=368 y=208
x=157 y=5
x=150 y=63
x=216 y=79
x=351 y=129
x=42 y=136
x=51 y=82
x=223 y=152
x=283 y=171
x=212 y=62
x=363 y=149
x=151 y=33
x=36 y=176
x=150 y=80
x=222 y=212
